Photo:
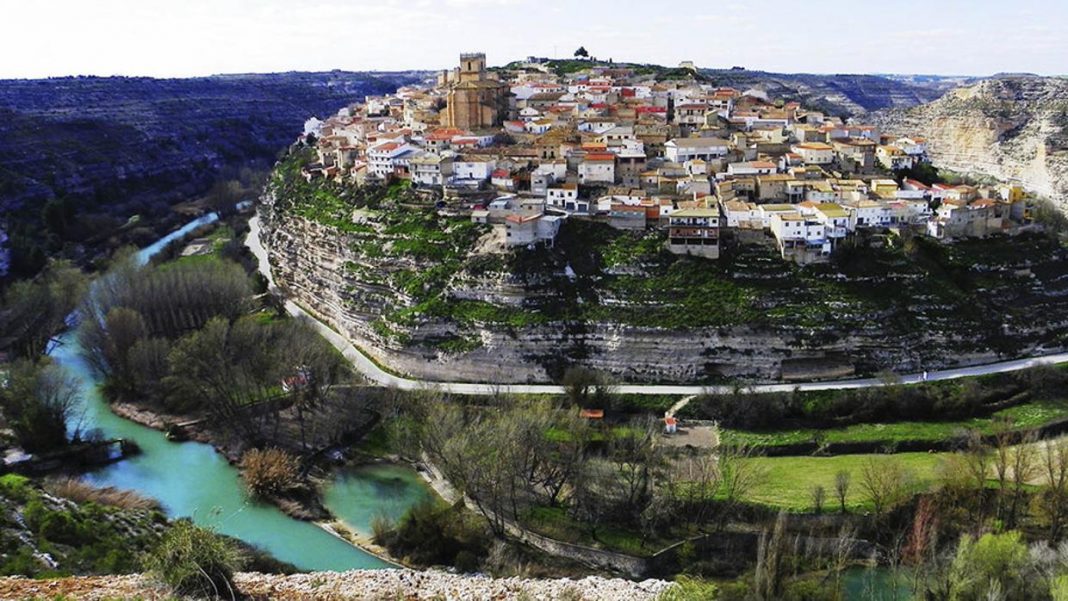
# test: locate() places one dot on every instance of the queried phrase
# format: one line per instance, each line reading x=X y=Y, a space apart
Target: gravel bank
x=391 y=585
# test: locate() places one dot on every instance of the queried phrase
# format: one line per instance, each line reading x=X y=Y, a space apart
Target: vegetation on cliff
x=69 y=528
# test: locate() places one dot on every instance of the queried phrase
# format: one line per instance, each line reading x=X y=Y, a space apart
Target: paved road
x=377 y=375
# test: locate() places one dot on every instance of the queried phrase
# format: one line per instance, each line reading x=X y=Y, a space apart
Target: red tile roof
x=600 y=156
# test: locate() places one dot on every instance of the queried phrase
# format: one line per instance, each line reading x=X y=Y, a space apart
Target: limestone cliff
x=1009 y=128
x=435 y=297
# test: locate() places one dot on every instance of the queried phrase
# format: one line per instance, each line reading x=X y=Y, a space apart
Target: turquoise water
x=359 y=494
x=875 y=584
x=191 y=480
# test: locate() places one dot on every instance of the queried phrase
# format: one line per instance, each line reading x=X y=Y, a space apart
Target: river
x=190 y=479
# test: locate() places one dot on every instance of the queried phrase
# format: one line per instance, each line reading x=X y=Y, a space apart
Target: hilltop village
x=524 y=148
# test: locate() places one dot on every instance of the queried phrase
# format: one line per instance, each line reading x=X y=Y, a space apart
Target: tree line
x=183 y=335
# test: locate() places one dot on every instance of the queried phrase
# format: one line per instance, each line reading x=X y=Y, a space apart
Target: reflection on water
x=357 y=495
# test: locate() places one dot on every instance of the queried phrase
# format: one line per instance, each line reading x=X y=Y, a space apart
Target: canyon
x=1012 y=128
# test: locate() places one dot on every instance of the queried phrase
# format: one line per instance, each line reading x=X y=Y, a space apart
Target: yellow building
x=475 y=101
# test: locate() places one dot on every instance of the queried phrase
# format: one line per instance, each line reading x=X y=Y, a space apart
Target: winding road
x=377 y=375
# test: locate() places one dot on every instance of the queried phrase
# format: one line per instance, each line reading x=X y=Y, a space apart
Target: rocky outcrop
x=360 y=584
x=1008 y=128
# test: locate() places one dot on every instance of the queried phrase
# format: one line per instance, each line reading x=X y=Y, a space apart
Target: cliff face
x=109 y=148
x=1010 y=128
x=433 y=298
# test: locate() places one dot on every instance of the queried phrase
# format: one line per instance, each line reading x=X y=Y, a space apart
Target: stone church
x=475 y=100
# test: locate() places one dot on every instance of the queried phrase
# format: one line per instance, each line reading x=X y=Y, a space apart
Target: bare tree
x=773 y=562
x=886 y=483
x=1024 y=468
x=313 y=367
x=637 y=461
x=819 y=494
x=1052 y=502
x=228 y=368
x=586 y=388
x=841 y=488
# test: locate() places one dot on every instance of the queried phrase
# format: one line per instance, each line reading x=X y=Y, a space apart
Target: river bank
x=192 y=479
x=324 y=475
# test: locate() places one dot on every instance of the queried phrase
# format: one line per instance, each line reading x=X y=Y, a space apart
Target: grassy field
x=789 y=481
x=555 y=523
x=1029 y=415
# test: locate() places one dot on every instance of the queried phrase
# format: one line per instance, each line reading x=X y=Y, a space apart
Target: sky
x=181 y=38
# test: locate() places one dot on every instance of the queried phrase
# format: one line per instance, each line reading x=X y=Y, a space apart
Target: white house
x=560 y=196
x=835 y=220
x=912 y=146
x=815 y=153
x=597 y=167
x=539 y=126
x=384 y=157
x=472 y=169
x=799 y=238
x=523 y=230
x=430 y=169
x=740 y=214
x=680 y=150
x=751 y=168
x=867 y=213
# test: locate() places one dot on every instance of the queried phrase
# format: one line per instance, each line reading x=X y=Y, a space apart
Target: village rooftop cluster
x=524 y=148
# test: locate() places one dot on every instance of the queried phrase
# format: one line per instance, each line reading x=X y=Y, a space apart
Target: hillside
x=1010 y=128
x=840 y=94
x=115 y=147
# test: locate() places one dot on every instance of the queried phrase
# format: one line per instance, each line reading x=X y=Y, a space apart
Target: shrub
x=195 y=561
x=269 y=472
x=689 y=589
x=59 y=527
x=381 y=529
x=15 y=487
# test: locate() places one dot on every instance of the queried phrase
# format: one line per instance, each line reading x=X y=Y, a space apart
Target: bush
x=59 y=527
x=428 y=535
x=690 y=589
x=195 y=561
x=269 y=472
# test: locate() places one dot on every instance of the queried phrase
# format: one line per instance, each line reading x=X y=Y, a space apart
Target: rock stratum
x=1009 y=128
x=371 y=585
x=839 y=94
x=439 y=298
